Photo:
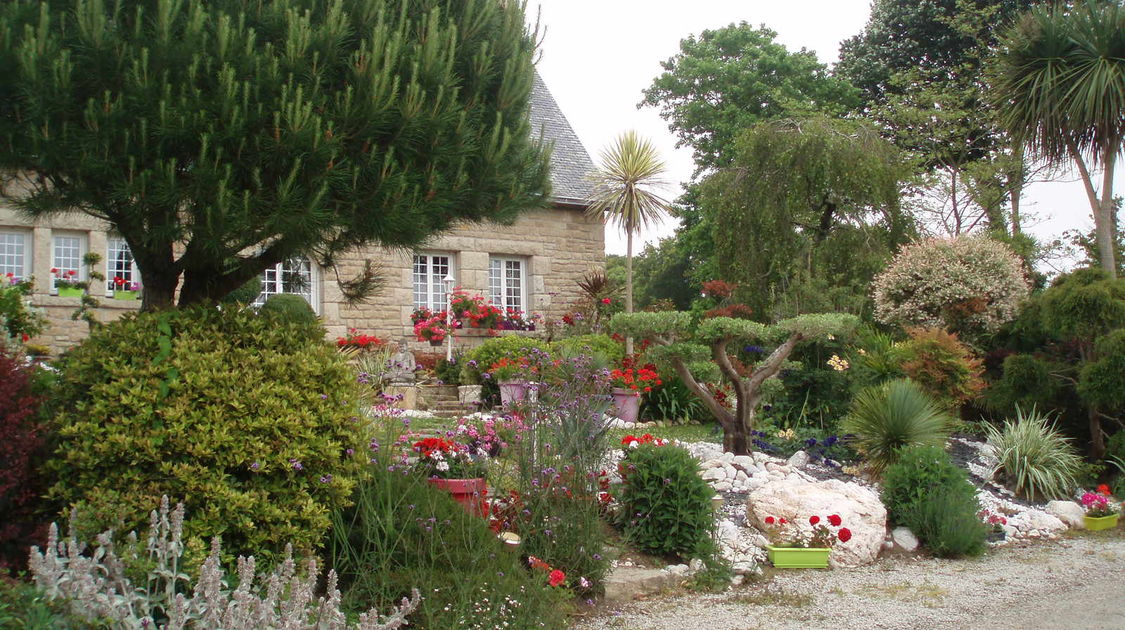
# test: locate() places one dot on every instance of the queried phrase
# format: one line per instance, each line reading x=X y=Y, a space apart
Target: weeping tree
x=221 y=138
x=679 y=340
x=812 y=199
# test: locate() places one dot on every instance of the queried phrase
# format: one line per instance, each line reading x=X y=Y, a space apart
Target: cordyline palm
x=630 y=168
x=1060 y=91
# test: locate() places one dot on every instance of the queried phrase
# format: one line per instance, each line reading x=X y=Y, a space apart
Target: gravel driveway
x=1075 y=582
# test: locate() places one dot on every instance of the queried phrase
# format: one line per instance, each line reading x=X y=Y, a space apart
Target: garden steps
x=442 y=401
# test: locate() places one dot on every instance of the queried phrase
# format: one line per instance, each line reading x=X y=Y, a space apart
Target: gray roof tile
x=570 y=163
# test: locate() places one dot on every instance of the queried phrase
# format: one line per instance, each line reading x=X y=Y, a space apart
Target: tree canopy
x=804 y=198
x=727 y=79
x=221 y=138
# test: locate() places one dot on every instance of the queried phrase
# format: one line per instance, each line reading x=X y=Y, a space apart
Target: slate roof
x=570 y=163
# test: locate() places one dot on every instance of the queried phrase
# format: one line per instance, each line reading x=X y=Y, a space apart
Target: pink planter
x=512 y=391
x=470 y=493
x=626 y=404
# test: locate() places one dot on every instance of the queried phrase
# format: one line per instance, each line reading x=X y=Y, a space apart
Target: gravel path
x=1075 y=582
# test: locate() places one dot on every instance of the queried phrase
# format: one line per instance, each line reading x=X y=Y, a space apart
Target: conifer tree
x=220 y=138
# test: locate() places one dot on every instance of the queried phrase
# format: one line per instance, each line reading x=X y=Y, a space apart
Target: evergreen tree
x=220 y=138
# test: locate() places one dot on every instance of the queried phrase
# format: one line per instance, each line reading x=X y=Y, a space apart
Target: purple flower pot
x=626 y=404
x=512 y=391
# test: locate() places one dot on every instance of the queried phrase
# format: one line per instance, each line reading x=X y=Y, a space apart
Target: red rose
x=769 y=520
x=844 y=535
x=813 y=520
x=835 y=520
x=556 y=577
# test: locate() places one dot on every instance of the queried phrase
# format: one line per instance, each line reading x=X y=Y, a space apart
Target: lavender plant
x=97 y=587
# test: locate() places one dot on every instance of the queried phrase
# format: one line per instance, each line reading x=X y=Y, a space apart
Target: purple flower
x=326 y=479
x=255 y=466
x=324 y=396
x=349 y=451
x=296 y=464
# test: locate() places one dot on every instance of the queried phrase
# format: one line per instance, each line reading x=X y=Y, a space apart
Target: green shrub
x=1035 y=459
x=672 y=401
x=289 y=308
x=948 y=525
x=920 y=472
x=400 y=532
x=609 y=352
x=483 y=356
x=926 y=492
x=17 y=317
x=885 y=418
x=244 y=418
x=26 y=607
x=246 y=293
x=665 y=504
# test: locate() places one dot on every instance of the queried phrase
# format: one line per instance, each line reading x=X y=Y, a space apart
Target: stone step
x=626 y=584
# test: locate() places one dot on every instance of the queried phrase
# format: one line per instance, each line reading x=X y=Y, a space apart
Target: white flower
x=442 y=466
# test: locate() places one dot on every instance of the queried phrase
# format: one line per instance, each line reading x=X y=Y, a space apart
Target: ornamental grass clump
x=665 y=506
x=1033 y=458
x=251 y=419
x=99 y=588
x=885 y=418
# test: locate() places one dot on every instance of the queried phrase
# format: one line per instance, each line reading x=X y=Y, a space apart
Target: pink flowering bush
x=971 y=285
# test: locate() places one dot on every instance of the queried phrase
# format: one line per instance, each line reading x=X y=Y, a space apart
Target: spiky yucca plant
x=887 y=417
x=1035 y=459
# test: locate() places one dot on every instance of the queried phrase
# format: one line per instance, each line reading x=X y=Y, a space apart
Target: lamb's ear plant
x=98 y=588
x=1034 y=457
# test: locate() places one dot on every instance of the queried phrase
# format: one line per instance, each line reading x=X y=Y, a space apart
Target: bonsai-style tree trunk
x=681 y=343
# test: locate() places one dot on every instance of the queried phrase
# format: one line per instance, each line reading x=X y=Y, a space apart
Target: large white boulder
x=1068 y=512
x=796 y=500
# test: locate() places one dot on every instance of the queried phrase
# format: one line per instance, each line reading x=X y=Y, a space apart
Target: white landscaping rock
x=797 y=500
x=904 y=539
x=798 y=459
x=714 y=474
x=1068 y=512
x=1036 y=523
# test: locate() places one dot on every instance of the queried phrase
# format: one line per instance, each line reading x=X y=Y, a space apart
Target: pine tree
x=220 y=138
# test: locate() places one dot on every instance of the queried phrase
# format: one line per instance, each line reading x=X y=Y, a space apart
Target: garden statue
x=400 y=366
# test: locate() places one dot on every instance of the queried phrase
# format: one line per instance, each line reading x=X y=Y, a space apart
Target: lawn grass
x=682 y=432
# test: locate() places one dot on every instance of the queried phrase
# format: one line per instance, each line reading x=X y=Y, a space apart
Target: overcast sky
x=597 y=57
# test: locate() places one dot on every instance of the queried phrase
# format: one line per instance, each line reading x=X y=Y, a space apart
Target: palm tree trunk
x=1107 y=246
x=1103 y=217
x=628 y=285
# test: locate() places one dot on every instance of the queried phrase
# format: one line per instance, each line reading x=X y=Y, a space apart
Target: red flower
x=769 y=520
x=606 y=300
x=834 y=520
x=1104 y=489
x=556 y=577
x=844 y=534
x=813 y=520
x=781 y=521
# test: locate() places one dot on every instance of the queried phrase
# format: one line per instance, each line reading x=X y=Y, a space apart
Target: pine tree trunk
x=159 y=290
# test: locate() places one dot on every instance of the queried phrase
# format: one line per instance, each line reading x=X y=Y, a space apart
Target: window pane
x=67 y=257
x=506 y=283
x=294 y=276
x=429 y=280
x=13 y=253
x=119 y=264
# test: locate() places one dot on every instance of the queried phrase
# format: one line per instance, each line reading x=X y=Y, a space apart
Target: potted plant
x=453 y=467
x=434 y=329
x=125 y=290
x=629 y=384
x=995 y=523
x=1101 y=510
x=514 y=319
x=513 y=377
x=796 y=548
x=67 y=282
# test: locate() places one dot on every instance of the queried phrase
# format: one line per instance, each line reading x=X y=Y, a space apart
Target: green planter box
x=1104 y=522
x=70 y=292
x=798 y=557
x=121 y=294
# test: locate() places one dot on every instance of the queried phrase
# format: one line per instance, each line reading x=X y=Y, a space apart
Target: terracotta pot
x=470 y=493
x=626 y=404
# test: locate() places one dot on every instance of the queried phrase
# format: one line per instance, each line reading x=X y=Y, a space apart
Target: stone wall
x=559 y=244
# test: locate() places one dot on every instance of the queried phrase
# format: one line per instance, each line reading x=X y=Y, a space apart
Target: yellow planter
x=1095 y=524
x=798 y=557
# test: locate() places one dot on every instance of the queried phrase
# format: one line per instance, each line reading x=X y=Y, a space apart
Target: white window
x=507 y=282
x=15 y=254
x=119 y=263
x=296 y=276
x=429 y=275
x=66 y=258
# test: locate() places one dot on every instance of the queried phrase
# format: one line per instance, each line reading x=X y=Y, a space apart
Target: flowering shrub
x=822 y=533
x=969 y=284
x=630 y=441
x=1098 y=504
x=147 y=406
x=98 y=587
x=490 y=434
x=474 y=309
x=508 y=369
x=514 y=319
x=359 y=341
x=447 y=459
x=994 y=521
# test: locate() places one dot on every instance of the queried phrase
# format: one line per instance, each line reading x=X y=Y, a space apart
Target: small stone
x=714 y=474
x=904 y=539
x=798 y=459
x=722 y=486
x=745 y=462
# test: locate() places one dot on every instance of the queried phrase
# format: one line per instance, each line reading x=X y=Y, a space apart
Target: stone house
x=532 y=265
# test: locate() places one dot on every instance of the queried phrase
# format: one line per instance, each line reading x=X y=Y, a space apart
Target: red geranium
x=556 y=577
x=834 y=520
x=813 y=520
x=844 y=534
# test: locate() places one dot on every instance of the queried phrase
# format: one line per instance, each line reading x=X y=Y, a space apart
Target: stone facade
x=559 y=245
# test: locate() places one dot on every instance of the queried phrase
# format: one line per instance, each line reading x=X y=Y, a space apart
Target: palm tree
x=1060 y=91
x=630 y=168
